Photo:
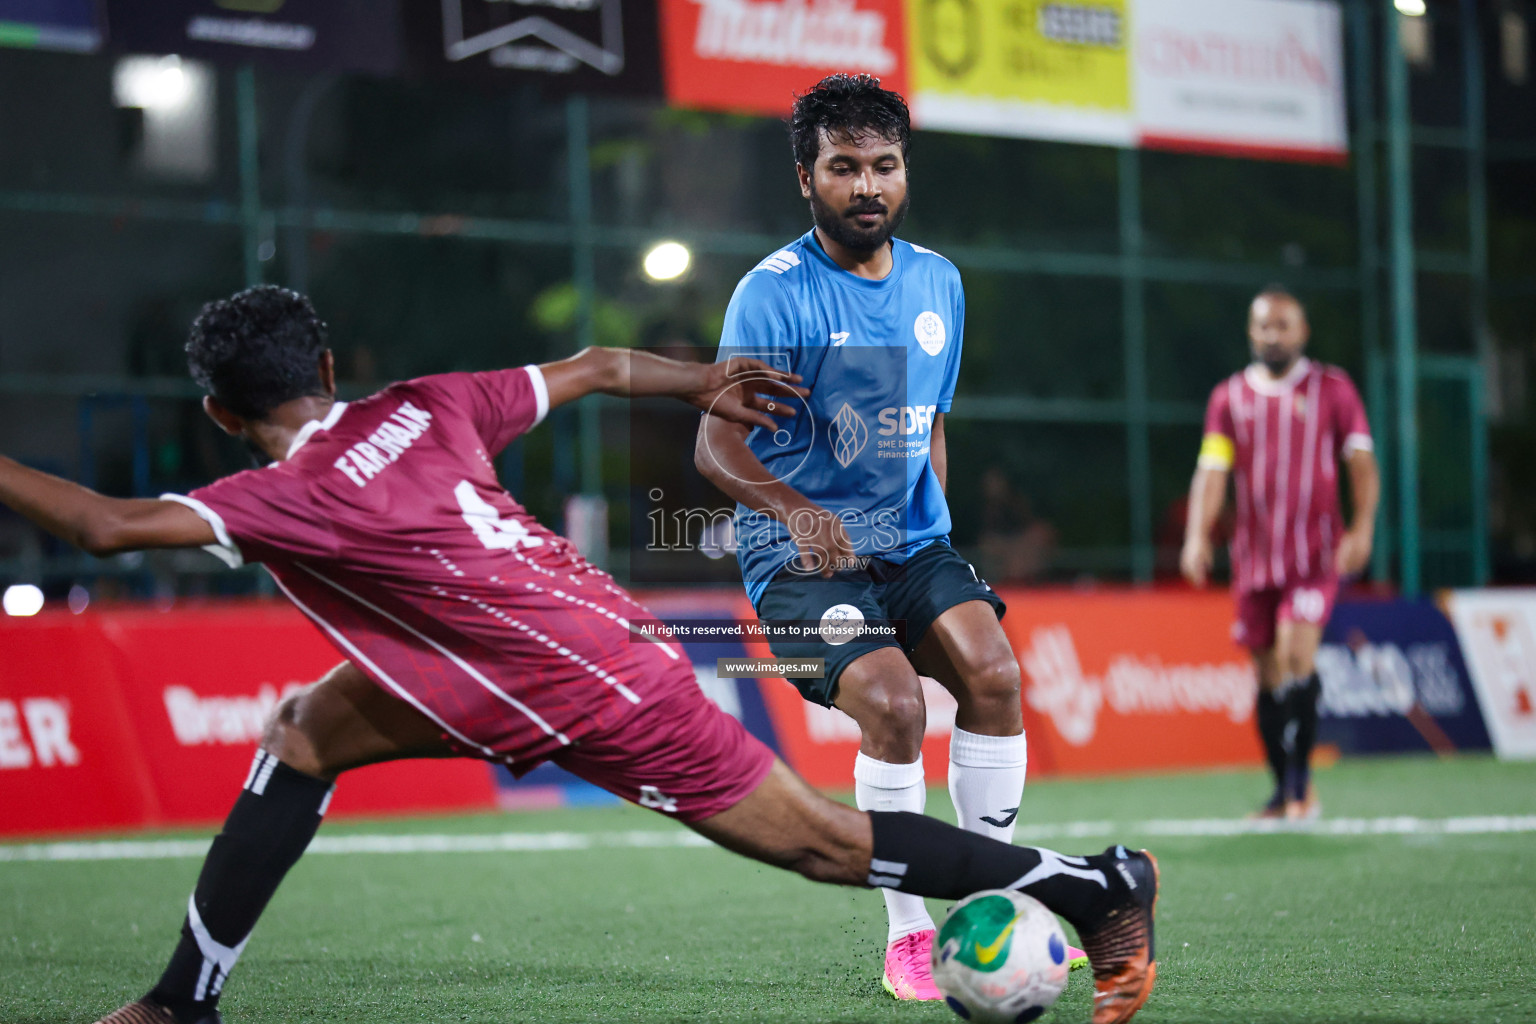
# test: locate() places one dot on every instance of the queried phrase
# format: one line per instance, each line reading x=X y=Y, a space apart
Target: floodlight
x=22 y=599
x=667 y=261
x=151 y=83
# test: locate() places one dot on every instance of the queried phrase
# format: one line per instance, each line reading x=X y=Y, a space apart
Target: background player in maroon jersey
x=1282 y=426
x=471 y=629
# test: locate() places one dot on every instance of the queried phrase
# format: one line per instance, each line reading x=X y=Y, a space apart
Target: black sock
x=1303 y=700
x=1271 y=715
x=920 y=855
x=273 y=820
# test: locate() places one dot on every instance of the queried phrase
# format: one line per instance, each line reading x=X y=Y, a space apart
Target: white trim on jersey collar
x=1259 y=379
x=308 y=430
x=540 y=394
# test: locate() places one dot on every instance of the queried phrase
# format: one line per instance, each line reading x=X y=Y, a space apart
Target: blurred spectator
x=1015 y=544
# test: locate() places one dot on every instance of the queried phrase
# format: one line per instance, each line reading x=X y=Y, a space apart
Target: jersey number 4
x=494 y=532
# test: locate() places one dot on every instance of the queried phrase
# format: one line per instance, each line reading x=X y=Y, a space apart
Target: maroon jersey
x=387 y=527
x=1283 y=440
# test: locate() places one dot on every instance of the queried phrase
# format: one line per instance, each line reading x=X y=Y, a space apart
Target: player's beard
x=842 y=229
x=1279 y=361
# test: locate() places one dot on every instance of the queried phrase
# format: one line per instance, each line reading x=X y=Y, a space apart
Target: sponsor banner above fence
x=587 y=45
x=1497 y=629
x=1049 y=70
x=343 y=35
x=1394 y=680
x=753 y=56
x=1243 y=77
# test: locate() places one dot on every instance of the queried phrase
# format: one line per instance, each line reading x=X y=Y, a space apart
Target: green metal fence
x=1099 y=317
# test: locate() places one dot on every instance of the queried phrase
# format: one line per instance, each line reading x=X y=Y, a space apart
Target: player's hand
x=1354 y=553
x=823 y=543
x=747 y=391
x=1195 y=562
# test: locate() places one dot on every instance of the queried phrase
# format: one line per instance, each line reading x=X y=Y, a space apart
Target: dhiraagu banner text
x=1023 y=68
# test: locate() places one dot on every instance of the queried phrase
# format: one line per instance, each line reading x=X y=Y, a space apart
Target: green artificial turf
x=1257 y=928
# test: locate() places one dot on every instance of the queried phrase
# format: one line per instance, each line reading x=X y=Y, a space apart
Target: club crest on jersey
x=928 y=329
x=1301 y=405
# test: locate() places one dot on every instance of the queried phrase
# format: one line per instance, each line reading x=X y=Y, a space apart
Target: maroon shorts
x=676 y=753
x=1307 y=601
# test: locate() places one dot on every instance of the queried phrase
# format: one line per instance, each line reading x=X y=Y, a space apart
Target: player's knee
x=893 y=717
x=286 y=738
x=996 y=681
x=1291 y=663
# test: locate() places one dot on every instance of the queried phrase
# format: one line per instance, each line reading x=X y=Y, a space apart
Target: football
x=1000 y=958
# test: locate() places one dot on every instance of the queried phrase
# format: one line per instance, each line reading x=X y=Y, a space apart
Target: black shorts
x=908 y=595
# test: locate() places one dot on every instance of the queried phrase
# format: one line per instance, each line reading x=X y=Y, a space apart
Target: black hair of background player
x=848 y=106
x=257 y=349
x=1276 y=290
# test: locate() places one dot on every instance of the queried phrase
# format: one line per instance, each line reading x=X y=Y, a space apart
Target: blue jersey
x=881 y=359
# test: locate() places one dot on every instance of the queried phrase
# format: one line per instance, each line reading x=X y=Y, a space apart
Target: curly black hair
x=257 y=349
x=851 y=106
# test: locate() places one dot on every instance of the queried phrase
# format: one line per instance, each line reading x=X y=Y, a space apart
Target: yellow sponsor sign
x=984 y=58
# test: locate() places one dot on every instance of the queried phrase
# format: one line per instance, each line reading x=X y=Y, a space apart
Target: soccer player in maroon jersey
x=1282 y=426
x=471 y=629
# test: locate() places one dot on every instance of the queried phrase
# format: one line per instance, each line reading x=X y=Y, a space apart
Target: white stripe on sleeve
x=1358 y=443
x=540 y=394
x=225 y=550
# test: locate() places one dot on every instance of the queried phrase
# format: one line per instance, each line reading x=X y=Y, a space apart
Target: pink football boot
x=909 y=967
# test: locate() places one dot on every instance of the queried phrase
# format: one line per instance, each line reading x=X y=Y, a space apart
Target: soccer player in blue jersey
x=842 y=528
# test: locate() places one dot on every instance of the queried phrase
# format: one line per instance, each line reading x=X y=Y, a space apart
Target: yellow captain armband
x=1217 y=451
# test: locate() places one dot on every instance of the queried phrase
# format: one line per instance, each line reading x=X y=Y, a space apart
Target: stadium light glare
x=22 y=600
x=151 y=83
x=1412 y=8
x=667 y=261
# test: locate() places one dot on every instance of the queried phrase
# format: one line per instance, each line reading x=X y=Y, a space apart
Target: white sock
x=986 y=780
x=882 y=786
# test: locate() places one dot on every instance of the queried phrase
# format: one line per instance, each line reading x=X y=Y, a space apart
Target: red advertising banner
x=68 y=757
x=131 y=717
x=1113 y=681
x=136 y=717
x=753 y=56
x=1122 y=681
x=199 y=685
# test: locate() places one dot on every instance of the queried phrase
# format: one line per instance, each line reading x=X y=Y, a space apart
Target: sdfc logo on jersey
x=929 y=331
x=848 y=435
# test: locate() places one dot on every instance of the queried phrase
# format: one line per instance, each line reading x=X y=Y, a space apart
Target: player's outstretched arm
x=711 y=387
x=94 y=522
